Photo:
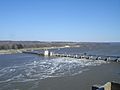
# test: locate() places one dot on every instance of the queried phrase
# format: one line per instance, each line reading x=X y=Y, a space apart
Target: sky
x=60 y=20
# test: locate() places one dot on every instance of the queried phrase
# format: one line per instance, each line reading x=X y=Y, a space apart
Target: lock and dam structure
x=85 y=56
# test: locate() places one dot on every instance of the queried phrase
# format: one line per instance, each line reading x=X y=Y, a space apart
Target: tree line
x=4 y=45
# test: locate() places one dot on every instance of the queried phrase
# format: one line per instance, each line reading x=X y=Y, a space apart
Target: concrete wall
x=115 y=86
x=107 y=86
x=46 y=53
x=112 y=86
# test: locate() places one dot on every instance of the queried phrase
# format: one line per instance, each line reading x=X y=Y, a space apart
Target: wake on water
x=42 y=69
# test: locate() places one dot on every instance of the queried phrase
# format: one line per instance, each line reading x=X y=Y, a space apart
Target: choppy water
x=112 y=49
x=19 y=68
x=41 y=69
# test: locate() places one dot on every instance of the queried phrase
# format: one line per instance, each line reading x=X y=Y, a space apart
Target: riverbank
x=13 y=51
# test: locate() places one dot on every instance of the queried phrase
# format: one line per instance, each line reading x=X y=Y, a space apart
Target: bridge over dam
x=47 y=53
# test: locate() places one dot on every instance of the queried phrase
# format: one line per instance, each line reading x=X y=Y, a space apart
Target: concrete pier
x=107 y=86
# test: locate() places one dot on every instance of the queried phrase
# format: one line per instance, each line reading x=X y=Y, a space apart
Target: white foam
x=42 y=69
x=12 y=70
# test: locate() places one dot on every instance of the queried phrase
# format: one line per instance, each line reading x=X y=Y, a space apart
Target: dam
x=47 y=53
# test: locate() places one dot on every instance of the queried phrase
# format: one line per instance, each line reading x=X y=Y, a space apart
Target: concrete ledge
x=107 y=86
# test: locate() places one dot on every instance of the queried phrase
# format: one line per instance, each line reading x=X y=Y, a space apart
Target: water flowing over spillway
x=33 y=72
x=41 y=69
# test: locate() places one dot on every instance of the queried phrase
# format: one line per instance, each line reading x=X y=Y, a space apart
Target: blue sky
x=60 y=20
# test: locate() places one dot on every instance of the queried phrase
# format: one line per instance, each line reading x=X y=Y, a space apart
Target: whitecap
x=41 y=69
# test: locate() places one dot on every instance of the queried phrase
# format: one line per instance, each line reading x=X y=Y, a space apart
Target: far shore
x=13 y=51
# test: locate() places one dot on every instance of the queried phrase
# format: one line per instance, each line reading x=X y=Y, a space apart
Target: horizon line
x=62 y=41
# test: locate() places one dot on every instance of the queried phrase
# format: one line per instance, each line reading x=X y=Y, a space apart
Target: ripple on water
x=42 y=69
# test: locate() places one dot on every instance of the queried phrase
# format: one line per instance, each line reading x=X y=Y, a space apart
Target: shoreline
x=14 y=51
